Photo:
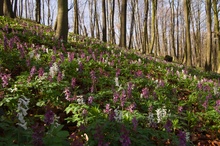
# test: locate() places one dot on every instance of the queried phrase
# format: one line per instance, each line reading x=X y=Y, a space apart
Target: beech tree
x=123 y=23
x=104 y=27
x=62 y=20
x=7 y=8
x=1 y=8
x=38 y=11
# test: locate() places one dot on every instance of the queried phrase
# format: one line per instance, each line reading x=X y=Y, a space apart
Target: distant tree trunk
x=92 y=19
x=38 y=11
x=177 y=32
x=104 y=30
x=112 y=18
x=133 y=7
x=216 y=54
x=172 y=32
x=145 y=35
x=15 y=8
x=48 y=11
x=123 y=23
x=1 y=7
x=21 y=8
x=62 y=20
x=153 y=21
x=208 y=66
x=7 y=8
x=43 y=12
x=76 y=17
x=96 y=17
x=26 y=9
x=186 y=7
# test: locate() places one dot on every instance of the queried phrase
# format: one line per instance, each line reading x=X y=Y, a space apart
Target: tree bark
x=145 y=35
x=62 y=20
x=38 y=11
x=1 y=7
x=216 y=54
x=123 y=23
x=76 y=17
x=208 y=66
x=186 y=7
x=153 y=21
x=7 y=8
x=104 y=30
x=133 y=7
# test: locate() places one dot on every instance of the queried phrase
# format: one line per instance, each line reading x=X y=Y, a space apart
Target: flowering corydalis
x=49 y=117
x=53 y=70
x=5 y=78
x=22 y=111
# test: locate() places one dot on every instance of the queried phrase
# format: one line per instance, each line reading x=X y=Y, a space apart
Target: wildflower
x=122 y=98
x=168 y=125
x=145 y=93
x=131 y=107
x=182 y=138
x=116 y=82
x=73 y=82
x=118 y=115
x=139 y=73
x=61 y=57
x=5 y=78
x=115 y=97
x=33 y=70
x=118 y=72
x=22 y=111
x=38 y=134
x=180 y=109
x=84 y=112
x=49 y=117
x=129 y=90
x=40 y=72
x=53 y=70
x=217 y=106
x=135 y=123
x=205 y=104
x=161 y=114
x=80 y=67
x=80 y=99
x=70 y=56
x=90 y=99
x=124 y=138
x=59 y=76
x=107 y=108
x=67 y=93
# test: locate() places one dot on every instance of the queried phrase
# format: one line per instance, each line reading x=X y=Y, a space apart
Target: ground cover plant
x=85 y=92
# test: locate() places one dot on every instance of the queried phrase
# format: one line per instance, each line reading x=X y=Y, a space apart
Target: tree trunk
x=62 y=20
x=216 y=54
x=104 y=30
x=7 y=8
x=76 y=17
x=133 y=7
x=15 y=8
x=153 y=20
x=186 y=7
x=111 y=25
x=96 y=17
x=38 y=11
x=145 y=35
x=123 y=23
x=208 y=66
x=1 y=7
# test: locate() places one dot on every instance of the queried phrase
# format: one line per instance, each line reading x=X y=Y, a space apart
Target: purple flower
x=124 y=138
x=182 y=138
x=90 y=99
x=38 y=134
x=180 y=109
x=70 y=56
x=40 y=72
x=61 y=57
x=205 y=104
x=129 y=90
x=139 y=73
x=168 y=125
x=217 y=106
x=5 y=78
x=107 y=109
x=118 y=72
x=145 y=92
x=73 y=82
x=80 y=67
x=33 y=70
x=59 y=76
x=92 y=74
x=123 y=98
x=135 y=123
x=49 y=117
x=115 y=97
x=131 y=107
x=67 y=93
x=84 y=112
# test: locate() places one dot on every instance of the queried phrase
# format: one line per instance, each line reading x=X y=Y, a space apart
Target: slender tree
x=104 y=27
x=145 y=35
x=153 y=21
x=216 y=54
x=186 y=7
x=38 y=11
x=123 y=23
x=133 y=7
x=208 y=66
x=7 y=8
x=76 y=17
x=1 y=7
x=62 y=20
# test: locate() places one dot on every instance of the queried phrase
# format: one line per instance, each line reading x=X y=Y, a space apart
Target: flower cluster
x=22 y=111
x=5 y=78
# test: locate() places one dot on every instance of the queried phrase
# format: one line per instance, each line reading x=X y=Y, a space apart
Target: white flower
x=22 y=111
x=116 y=82
x=161 y=114
x=118 y=115
x=23 y=125
x=150 y=118
x=54 y=70
x=187 y=136
x=215 y=88
x=80 y=99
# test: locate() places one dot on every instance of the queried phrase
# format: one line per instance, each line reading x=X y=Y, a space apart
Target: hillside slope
x=85 y=92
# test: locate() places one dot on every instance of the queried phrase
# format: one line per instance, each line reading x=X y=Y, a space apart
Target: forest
x=109 y=72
